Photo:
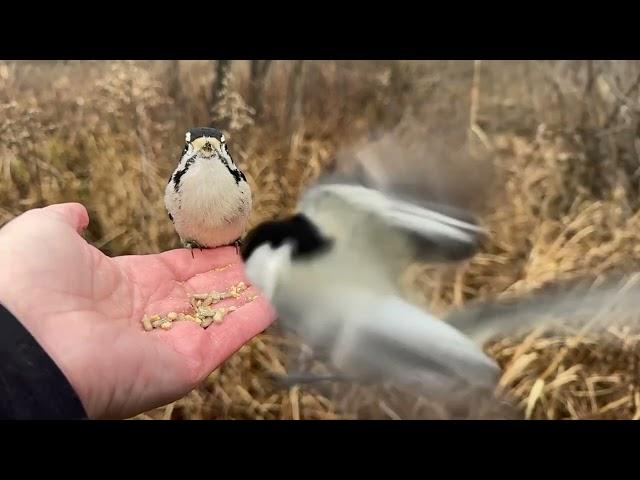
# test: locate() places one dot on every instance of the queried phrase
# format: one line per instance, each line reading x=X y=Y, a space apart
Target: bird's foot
x=237 y=244
x=191 y=244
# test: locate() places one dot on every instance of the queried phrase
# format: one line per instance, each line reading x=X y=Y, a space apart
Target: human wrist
x=21 y=303
x=37 y=388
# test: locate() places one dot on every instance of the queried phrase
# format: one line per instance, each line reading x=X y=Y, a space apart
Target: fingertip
x=73 y=213
x=251 y=319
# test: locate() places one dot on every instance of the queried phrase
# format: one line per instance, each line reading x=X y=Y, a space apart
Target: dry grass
x=563 y=140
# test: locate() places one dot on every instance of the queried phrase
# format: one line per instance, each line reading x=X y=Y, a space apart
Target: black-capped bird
x=207 y=197
x=331 y=271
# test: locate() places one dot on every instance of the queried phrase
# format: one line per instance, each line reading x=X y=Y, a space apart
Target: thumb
x=74 y=214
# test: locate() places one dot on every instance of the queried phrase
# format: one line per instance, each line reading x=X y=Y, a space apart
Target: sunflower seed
x=147 y=323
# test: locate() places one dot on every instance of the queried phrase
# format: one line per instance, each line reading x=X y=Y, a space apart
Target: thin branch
x=475 y=94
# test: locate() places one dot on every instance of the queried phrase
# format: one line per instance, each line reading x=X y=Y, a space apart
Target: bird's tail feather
x=579 y=307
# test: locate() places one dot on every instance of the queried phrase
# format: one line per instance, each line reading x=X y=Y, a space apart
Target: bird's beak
x=207 y=147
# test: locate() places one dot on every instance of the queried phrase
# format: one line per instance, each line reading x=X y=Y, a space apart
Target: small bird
x=331 y=271
x=207 y=197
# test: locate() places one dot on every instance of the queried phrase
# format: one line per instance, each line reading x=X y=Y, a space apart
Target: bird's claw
x=191 y=244
x=237 y=244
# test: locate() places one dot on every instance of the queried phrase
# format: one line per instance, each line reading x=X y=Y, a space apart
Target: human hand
x=85 y=310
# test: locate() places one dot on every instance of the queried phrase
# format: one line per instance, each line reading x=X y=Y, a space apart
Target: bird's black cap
x=198 y=132
x=298 y=229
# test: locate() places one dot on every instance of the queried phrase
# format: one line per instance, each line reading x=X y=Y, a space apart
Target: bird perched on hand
x=331 y=272
x=207 y=197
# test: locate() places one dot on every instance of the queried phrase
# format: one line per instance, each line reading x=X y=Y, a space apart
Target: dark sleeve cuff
x=31 y=384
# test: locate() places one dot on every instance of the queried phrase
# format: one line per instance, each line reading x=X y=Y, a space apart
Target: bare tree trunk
x=588 y=93
x=529 y=84
x=259 y=70
x=175 y=89
x=294 y=110
x=219 y=92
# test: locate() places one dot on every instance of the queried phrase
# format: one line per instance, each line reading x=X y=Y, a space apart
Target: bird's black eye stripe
x=237 y=175
x=235 y=172
x=184 y=151
x=178 y=174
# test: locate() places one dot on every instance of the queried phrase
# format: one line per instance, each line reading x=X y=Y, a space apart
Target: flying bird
x=331 y=270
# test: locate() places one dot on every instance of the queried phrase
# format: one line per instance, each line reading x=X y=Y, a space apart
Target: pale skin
x=85 y=310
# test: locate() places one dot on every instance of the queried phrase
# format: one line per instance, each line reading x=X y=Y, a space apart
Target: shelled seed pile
x=202 y=311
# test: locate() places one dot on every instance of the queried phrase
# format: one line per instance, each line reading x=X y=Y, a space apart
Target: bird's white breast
x=209 y=206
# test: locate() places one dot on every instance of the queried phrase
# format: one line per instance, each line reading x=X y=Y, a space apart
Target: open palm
x=85 y=309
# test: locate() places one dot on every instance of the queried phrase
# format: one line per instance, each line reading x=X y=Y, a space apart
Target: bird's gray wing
x=434 y=233
x=423 y=163
x=406 y=185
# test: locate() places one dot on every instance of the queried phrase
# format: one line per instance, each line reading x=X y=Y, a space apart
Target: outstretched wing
x=407 y=185
x=436 y=233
